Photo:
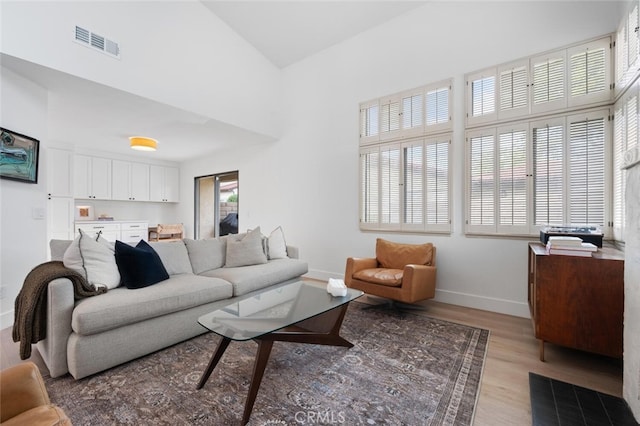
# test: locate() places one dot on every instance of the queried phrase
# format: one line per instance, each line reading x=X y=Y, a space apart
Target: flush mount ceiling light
x=142 y=143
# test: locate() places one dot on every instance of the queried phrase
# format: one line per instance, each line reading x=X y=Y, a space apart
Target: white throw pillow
x=93 y=259
x=247 y=251
x=277 y=244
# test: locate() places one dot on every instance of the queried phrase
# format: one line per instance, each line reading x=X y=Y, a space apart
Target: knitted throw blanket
x=30 y=316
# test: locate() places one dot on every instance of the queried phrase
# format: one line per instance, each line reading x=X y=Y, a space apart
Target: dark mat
x=559 y=403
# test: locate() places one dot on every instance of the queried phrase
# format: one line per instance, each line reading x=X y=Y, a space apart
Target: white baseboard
x=492 y=304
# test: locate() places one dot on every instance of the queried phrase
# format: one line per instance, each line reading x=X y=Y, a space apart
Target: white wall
x=177 y=53
x=308 y=180
x=22 y=238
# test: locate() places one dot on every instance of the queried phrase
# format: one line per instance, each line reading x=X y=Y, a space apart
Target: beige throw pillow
x=94 y=259
x=245 y=251
x=277 y=245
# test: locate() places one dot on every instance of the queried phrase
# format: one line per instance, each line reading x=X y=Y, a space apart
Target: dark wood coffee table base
x=323 y=329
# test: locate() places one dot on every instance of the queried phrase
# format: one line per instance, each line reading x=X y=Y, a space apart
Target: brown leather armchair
x=400 y=272
x=24 y=399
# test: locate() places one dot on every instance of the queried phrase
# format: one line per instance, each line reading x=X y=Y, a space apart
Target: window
x=513 y=90
x=565 y=159
x=548 y=172
x=589 y=73
x=481 y=97
x=369 y=127
x=627 y=49
x=625 y=137
x=578 y=76
x=537 y=149
x=412 y=180
x=404 y=162
x=548 y=82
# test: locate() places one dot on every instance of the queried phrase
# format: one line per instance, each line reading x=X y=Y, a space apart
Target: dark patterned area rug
x=403 y=370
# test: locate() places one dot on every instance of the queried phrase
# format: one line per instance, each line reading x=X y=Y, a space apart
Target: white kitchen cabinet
x=133 y=232
x=126 y=231
x=130 y=181
x=60 y=218
x=164 y=184
x=59 y=172
x=60 y=207
x=108 y=230
x=92 y=177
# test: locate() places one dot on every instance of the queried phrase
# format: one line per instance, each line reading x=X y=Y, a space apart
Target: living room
x=295 y=129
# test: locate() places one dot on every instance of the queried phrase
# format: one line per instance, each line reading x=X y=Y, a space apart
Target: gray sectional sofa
x=89 y=335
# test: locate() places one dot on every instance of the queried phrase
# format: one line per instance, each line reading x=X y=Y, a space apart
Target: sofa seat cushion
x=246 y=279
x=122 y=306
x=382 y=276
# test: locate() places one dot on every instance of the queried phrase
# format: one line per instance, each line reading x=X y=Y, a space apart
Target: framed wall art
x=19 y=156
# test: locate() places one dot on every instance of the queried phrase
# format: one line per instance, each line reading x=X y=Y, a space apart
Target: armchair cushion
x=396 y=255
x=24 y=398
x=382 y=276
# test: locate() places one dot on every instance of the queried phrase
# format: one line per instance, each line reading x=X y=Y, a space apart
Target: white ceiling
x=286 y=32
x=102 y=118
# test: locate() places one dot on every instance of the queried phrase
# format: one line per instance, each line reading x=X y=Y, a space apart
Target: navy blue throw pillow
x=139 y=266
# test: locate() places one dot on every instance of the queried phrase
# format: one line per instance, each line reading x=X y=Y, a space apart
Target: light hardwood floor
x=511 y=355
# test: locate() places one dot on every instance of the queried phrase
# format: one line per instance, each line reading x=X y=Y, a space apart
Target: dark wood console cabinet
x=576 y=301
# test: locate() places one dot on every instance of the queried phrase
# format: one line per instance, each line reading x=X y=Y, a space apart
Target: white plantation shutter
x=438 y=106
x=587 y=170
x=513 y=90
x=389 y=118
x=548 y=172
x=548 y=82
x=622 y=57
x=437 y=173
x=369 y=188
x=481 y=181
x=369 y=124
x=589 y=73
x=512 y=180
x=396 y=176
x=619 y=175
x=633 y=38
x=413 y=184
x=390 y=163
x=412 y=113
x=481 y=96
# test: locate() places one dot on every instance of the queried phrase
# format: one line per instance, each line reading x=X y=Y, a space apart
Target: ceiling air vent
x=97 y=42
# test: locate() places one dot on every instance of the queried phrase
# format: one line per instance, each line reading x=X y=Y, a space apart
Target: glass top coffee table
x=300 y=311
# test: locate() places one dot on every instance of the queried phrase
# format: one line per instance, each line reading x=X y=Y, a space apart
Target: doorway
x=216 y=205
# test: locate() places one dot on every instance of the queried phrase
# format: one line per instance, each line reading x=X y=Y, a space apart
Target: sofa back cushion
x=397 y=255
x=58 y=247
x=206 y=254
x=174 y=256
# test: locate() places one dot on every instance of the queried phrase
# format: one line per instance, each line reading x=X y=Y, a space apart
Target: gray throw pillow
x=206 y=255
x=174 y=256
x=247 y=251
